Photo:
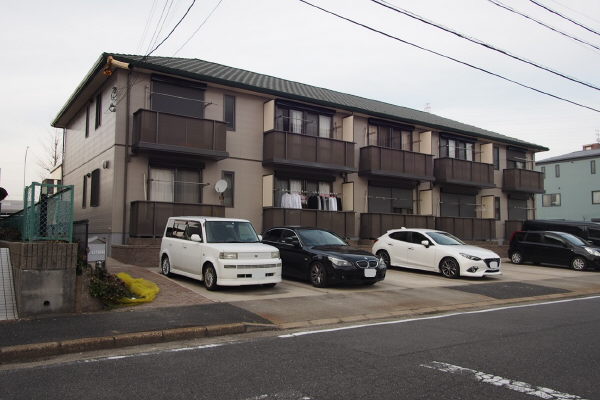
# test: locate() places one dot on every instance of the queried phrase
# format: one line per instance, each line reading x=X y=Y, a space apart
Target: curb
x=39 y=351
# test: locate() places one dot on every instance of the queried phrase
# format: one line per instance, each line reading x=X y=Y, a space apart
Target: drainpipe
x=126 y=158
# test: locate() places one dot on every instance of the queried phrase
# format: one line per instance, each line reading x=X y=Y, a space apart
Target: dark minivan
x=322 y=257
x=550 y=247
x=584 y=229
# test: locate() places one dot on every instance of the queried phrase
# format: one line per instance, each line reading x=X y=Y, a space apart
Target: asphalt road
x=538 y=351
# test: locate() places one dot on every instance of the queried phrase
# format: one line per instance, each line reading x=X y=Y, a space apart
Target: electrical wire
x=201 y=25
x=449 y=57
x=564 y=17
x=156 y=32
x=172 y=30
x=497 y=3
x=150 y=15
x=488 y=46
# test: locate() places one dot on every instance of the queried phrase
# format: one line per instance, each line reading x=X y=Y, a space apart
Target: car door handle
x=411 y=248
x=389 y=244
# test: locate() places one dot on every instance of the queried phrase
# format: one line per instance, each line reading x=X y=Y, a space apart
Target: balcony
x=340 y=222
x=467 y=228
x=159 y=132
x=465 y=173
x=294 y=150
x=373 y=225
x=381 y=162
x=522 y=180
x=149 y=218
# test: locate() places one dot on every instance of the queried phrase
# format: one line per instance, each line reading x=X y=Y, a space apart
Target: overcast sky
x=49 y=46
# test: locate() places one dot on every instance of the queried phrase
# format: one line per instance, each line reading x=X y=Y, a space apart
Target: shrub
x=107 y=287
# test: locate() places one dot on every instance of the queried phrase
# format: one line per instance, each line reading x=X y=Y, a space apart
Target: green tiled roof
x=224 y=75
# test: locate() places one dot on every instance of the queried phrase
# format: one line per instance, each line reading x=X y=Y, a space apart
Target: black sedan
x=322 y=257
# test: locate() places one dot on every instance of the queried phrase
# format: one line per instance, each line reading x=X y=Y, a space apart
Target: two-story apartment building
x=572 y=185
x=148 y=137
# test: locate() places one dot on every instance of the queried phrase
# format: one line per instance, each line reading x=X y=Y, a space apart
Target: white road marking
x=401 y=321
x=287 y=395
x=517 y=386
x=151 y=353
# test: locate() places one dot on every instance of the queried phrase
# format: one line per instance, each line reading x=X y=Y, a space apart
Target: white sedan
x=437 y=251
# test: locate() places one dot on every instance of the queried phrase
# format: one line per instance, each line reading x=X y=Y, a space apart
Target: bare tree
x=53 y=151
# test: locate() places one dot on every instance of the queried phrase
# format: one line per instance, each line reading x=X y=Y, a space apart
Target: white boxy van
x=218 y=251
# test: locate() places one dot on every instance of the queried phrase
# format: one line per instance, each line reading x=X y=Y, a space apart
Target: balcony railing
x=340 y=222
x=297 y=150
x=522 y=180
x=462 y=172
x=149 y=218
x=392 y=163
x=467 y=228
x=176 y=134
x=373 y=225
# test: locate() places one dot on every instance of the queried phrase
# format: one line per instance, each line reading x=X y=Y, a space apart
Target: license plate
x=370 y=273
x=493 y=265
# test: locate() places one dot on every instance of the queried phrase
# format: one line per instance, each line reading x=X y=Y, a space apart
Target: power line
x=150 y=15
x=449 y=57
x=201 y=25
x=488 y=46
x=172 y=30
x=575 y=11
x=564 y=17
x=159 y=24
x=497 y=3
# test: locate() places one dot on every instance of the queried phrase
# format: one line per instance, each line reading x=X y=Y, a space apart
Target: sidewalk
x=180 y=313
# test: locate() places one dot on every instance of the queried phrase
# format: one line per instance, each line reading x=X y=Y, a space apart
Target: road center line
x=400 y=321
x=517 y=386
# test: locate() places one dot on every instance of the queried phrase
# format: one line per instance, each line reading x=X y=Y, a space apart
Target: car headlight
x=228 y=256
x=339 y=262
x=593 y=252
x=275 y=254
x=470 y=257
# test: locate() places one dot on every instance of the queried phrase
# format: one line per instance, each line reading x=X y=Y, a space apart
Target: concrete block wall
x=44 y=276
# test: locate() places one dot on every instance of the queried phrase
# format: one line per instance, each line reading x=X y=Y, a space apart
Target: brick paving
x=171 y=293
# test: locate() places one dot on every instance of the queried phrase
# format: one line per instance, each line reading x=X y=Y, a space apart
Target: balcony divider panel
x=388 y=162
x=522 y=180
x=373 y=225
x=462 y=172
x=467 y=228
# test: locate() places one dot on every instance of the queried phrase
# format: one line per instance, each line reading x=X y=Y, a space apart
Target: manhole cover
x=508 y=290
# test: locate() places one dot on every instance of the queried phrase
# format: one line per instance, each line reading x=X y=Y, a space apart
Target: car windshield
x=444 y=238
x=572 y=239
x=317 y=237
x=230 y=232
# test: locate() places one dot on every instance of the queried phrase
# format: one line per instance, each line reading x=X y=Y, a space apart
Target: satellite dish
x=221 y=186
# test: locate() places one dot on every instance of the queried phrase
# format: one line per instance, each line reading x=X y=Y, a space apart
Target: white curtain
x=296 y=121
x=324 y=126
x=162 y=184
x=295 y=186
x=324 y=187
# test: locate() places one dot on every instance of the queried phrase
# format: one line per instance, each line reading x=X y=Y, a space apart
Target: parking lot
x=401 y=293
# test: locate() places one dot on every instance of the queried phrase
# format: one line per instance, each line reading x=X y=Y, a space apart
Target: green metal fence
x=47 y=212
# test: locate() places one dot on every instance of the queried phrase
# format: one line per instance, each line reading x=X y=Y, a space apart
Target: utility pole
x=25 y=167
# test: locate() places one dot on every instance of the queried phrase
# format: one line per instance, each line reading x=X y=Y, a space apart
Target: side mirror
x=260 y=238
x=425 y=243
x=196 y=238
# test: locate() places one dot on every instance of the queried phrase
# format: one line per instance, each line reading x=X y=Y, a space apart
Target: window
x=534 y=237
x=304 y=186
x=596 y=197
x=310 y=122
x=272 y=235
x=553 y=241
x=390 y=200
x=84 y=192
x=401 y=236
x=177 y=97
x=229 y=111
x=95 y=189
x=543 y=170
x=497 y=208
x=229 y=177
x=516 y=158
x=193 y=228
x=98 y=110
x=457 y=205
x=175 y=185
x=551 y=200
x=394 y=137
x=593 y=167
x=178 y=230
x=557 y=170
x=87 y=120
x=496 y=155
x=454 y=148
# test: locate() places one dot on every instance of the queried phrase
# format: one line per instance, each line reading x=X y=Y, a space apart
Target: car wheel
x=210 y=278
x=516 y=257
x=578 y=263
x=449 y=268
x=165 y=266
x=318 y=275
x=385 y=257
